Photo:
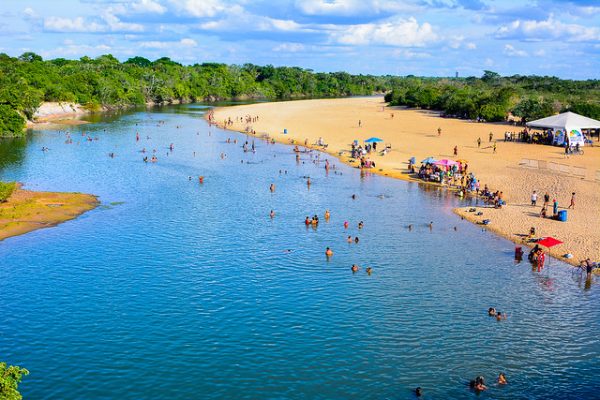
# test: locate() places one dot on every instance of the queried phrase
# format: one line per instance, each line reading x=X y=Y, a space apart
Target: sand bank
x=26 y=210
x=516 y=168
x=52 y=114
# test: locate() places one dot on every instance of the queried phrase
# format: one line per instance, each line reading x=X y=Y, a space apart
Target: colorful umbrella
x=549 y=242
x=462 y=161
x=373 y=139
x=446 y=163
x=429 y=160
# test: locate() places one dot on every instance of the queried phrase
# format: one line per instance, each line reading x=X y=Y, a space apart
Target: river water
x=172 y=289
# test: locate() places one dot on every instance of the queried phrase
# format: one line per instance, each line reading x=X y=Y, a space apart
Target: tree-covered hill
x=27 y=81
x=492 y=97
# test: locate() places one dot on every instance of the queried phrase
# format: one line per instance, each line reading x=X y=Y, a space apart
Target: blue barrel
x=562 y=215
x=285 y=131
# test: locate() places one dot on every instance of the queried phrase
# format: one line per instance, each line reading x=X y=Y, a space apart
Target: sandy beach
x=516 y=168
x=27 y=210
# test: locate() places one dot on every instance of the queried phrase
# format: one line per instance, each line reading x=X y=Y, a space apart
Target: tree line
x=494 y=98
x=28 y=80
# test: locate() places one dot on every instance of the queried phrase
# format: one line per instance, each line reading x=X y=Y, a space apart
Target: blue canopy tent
x=429 y=160
x=373 y=140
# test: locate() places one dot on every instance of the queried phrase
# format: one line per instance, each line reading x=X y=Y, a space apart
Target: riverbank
x=26 y=210
x=414 y=133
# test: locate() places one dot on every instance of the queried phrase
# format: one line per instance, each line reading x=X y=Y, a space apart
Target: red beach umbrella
x=549 y=242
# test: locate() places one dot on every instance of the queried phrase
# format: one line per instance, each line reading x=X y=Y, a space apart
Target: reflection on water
x=181 y=290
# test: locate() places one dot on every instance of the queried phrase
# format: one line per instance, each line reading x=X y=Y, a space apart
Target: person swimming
x=360 y=225
x=272 y=214
x=327 y=214
x=369 y=270
x=500 y=316
x=307 y=221
x=328 y=252
x=354 y=268
x=492 y=312
x=478 y=384
x=346 y=225
x=272 y=188
x=502 y=379
x=356 y=239
x=349 y=240
x=418 y=392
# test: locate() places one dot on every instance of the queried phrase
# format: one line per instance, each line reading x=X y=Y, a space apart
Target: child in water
x=502 y=379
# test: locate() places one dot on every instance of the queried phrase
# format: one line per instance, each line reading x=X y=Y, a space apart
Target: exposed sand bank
x=414 y=133
x=52 y=114
x=26 y=210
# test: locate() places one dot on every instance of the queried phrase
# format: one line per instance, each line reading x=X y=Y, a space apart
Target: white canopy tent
x=567 y=127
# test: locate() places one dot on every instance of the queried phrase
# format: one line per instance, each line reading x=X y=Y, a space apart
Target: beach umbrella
x=373 y=140
x=549 y=242
x=412 y=160
x=445 y=163
x=462 y=161
x=429 y=160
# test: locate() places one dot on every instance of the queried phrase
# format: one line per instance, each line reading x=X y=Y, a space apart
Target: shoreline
x=26 y=211
x=513 y=220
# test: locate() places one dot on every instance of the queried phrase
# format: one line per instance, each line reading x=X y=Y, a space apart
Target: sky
x=418 y=37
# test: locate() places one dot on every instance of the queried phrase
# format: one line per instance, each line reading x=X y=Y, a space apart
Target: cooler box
x=562 y=215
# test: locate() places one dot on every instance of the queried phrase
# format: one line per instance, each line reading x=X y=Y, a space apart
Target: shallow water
x=178 y=290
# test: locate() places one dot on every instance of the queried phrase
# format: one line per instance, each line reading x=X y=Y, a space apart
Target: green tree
x=10 y=377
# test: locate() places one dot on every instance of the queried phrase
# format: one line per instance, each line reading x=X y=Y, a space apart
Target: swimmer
x=328 y=252
x=272 y=214
x=492 y=312
x=360 y=225
x=354 y=268
x=430 y=225
x=353 y=197
x=189 y=178
x=410 y=227
x=369 y=270
x=500 y=316
x=349 y=240
x=307 y=221
x=356 y=239
x=327 y=214
x=308 y=181
x=418 y=392
x=272 y=188
x=201 y=179
x=346 y=225
x=502 y=379
x=478 y=384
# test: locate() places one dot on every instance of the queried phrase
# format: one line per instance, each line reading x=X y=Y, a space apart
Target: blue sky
x=420 y=37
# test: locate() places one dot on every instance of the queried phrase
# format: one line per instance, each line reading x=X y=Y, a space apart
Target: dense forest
x=28 y=80
x=493 y=97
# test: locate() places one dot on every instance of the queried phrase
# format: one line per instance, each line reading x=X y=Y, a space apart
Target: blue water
x=177 y=290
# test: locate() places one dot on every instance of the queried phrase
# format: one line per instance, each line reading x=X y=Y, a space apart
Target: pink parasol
x=446 y=163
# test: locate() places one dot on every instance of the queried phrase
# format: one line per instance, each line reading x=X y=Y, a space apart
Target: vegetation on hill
x=27 y=81
x=492 y=97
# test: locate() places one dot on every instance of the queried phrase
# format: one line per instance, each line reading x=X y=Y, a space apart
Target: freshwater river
x=175 y=290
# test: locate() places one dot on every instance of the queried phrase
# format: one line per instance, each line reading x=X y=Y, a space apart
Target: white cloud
x=348 y=8
x=550 y=29
x=81 y=25
x=250 y=22
x=510 y=50
x=471 y=46
x=409 y=54
x=394 y=32
x=30 y=13
x=456 y=41
x=156 y=44
x=289 y=47
x=78 y=24
x=205 y=8
x=489 y=62
x=148 y=6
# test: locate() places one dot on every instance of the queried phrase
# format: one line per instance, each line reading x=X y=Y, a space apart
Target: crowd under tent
x=568 y=128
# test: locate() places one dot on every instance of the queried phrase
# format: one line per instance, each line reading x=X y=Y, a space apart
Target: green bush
x=6 y=189
x=10 y=377
x=11 y=122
